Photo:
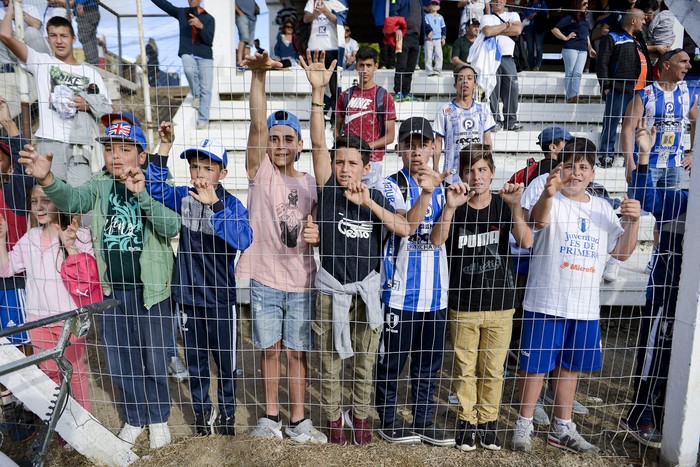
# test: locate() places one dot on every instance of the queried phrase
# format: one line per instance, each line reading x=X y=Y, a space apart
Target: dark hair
x=545 y=144
x=60 y=22
x=577 y=149
x=579 y=15
x=365 y=53
x=458 y=69
x=473 y=153
x=64 y=221
x=352 y=141
x=646 y=5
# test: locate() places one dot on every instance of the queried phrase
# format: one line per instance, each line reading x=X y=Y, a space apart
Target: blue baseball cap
x=124 y=132
x=107 y=119
x=208 y=148
x=552 y=133
x=282 y=117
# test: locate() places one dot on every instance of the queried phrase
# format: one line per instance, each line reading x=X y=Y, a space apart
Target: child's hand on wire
x=204 y=191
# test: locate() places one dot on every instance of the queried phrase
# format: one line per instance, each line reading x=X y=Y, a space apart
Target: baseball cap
x=124 y=132
x=282 y=117
x=107 y=119
x=552 y=133
x=472 y=21
x=416 y=126
x=435 y=1
x=208 y=148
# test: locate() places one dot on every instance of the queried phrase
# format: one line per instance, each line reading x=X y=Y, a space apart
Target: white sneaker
x=177 y=370
x=612 y=270
x=195 y=103
x=266 y=428
x=522 y=435
x=568 y=438
x=159 y=434
x=130 y=433
x=305 y=432
x=540 y=417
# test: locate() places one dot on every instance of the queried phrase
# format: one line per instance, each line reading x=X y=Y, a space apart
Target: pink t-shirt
x=278 y=206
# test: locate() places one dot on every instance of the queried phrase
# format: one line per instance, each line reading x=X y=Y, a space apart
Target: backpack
x=82 y=279
x=401 y=181
x=302 y=32
x=526 y=174
x=379 y=104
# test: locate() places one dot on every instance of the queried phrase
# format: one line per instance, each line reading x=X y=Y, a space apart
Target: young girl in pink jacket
x=40 y=254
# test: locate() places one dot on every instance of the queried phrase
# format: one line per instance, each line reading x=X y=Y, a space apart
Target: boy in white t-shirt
x=71 y=96
x=574 y=232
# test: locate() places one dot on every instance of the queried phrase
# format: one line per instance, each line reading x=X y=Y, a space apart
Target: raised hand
x=315 y=68
x=357 y=193
x=134 y=179
x=69 y=235
x=261 y=62
x=458 y=194
x=511 y=194
x=35 y=164
x=630 y=210
x=645 y=141
x=165 y=131
x=428 y=179
x=555 y=182
x=206 y=193
x=311 y=231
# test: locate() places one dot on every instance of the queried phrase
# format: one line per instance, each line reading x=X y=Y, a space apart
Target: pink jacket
x=46 y=294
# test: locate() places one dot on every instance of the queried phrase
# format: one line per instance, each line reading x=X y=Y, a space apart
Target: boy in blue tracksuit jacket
x=214 y=227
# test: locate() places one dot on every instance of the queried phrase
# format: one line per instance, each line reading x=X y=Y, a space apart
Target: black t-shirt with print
x=481 y=273
x=351 y=235
x=122 y=238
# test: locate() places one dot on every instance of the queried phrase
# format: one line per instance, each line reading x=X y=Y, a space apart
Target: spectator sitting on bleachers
x=460 y=49
x=284 y=47
x=351 y=48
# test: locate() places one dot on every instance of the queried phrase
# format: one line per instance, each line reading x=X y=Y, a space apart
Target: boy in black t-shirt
x=475 y=225
x=352 y=218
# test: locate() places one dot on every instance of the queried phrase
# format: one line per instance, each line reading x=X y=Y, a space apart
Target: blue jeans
x=534 y=41
x=135 y=344
x=200 y=76
x=574 y=62
x=615 y=106
x=507 y=90
x=671 y=177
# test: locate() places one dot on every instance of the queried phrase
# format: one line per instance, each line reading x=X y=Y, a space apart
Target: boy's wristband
x=316 y=104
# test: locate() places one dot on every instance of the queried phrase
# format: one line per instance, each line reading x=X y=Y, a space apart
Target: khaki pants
x=481 y=341
x=365 y=342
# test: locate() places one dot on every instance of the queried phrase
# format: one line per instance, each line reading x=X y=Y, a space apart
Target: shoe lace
x=522 y=429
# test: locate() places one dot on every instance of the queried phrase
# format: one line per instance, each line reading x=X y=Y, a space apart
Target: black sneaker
x=646 y=435
x=606 y=161
x=228 y=426
x=466 y=436
x=433 y=434
x=488 y=436
x=516 y=127
x=205 y=424
x=397 y=433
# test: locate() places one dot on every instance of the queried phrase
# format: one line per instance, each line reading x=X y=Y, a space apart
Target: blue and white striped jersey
x=414 y=271
x=668 y=112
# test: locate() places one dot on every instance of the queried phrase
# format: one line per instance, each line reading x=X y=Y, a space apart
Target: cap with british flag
x=124 y=132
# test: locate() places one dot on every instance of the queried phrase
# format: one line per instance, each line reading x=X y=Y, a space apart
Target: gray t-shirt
x=351 y=235
x=415 y=17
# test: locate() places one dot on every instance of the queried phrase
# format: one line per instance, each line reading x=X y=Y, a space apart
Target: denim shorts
x=550 y=341
x=672 y=177
x=281 y=315
x=246 y=29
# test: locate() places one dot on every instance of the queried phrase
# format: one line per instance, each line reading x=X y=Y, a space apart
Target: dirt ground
x=606 y=393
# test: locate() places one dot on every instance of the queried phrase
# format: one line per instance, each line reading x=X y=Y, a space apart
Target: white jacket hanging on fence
x=485 y=57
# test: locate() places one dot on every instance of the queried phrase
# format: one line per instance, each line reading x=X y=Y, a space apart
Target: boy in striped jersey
x=414 y=292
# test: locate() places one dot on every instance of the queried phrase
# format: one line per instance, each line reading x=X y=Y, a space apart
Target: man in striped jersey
x=414 y=292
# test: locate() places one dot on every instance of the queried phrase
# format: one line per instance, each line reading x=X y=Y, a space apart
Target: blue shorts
x=12 y=313
x=246 y=29
x=549 y=341
x=279 y=315
x=671 y=177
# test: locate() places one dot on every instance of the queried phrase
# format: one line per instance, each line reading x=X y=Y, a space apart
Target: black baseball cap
x=416 y=126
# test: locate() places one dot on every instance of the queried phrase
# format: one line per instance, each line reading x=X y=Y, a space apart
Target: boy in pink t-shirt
x=279 y=262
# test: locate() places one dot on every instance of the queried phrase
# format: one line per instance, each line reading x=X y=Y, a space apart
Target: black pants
x=387 y=54
x=333 y=83
x=406 y=64
x=422 y=337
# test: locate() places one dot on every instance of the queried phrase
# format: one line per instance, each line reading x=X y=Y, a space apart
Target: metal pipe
x=144 y=80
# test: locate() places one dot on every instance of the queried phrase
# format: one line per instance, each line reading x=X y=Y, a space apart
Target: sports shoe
x=159 y=435
x=466 y=436
x=488 y=437
x=397 y=433
x=453 y=399
x=522 y=435
x=266 y=428
x=409 y=98
x=205 y=424
x=540 y=417
x=130 y=433
x=361 y=431
x=336 y=434
x=497 y=127
x=305 y=432
x=568 y=438
x=398 y=97
x=612 y=270
x=195 y=103
x=227 y=426
x=433 y=434
x=516 y=127
x=177 y=370
x=578 y=408
x=606 y=161
x=646 y=435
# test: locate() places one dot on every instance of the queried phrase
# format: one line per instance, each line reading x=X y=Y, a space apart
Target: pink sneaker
x=361 y=430
x=336 y=434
